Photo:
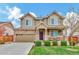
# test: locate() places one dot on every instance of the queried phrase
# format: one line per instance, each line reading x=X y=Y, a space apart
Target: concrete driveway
x=15 y=48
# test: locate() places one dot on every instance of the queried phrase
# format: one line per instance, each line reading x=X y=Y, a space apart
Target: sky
x=12 y=11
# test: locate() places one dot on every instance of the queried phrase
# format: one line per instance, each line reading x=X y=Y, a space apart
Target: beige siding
x=46 y=21
x=25 y=38
x=37 y=22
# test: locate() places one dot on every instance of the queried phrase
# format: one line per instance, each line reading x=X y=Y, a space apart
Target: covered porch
x=44 y=34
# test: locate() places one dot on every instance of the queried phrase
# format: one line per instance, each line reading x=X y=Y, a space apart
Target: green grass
x=54 y=50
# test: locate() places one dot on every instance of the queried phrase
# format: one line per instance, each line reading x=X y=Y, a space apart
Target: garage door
x=25 y=38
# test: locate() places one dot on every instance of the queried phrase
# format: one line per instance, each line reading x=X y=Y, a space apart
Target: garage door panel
x=25 y=38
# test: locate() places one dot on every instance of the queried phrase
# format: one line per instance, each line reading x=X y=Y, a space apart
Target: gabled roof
x=30 y=14
x=41 y=18
x=55 y=13
x=41 y=23
x=6 y=24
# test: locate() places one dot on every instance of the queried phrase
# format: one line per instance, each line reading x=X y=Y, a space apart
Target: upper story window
x=28 y=22
x=54 y=21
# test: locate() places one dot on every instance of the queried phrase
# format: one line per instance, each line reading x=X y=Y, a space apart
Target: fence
x=8 y=38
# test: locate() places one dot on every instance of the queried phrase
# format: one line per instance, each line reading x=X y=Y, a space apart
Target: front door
x=41 y=33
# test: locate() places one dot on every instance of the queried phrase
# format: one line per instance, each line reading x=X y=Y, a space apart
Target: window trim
x=29 y=23
x=55 y=21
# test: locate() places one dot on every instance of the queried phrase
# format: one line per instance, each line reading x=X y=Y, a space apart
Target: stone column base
x=68 y=43
x=59 y=43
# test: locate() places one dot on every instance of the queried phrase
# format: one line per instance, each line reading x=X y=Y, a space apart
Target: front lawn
x=54 y=50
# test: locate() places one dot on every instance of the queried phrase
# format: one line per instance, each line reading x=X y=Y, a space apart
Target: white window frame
x=29 y=23
x=55 y=21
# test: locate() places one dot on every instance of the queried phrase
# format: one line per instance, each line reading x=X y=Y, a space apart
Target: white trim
x=30 y=23
x=40 y=23
x=55 y=21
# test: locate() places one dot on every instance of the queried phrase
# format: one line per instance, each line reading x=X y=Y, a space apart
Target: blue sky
x=40 y=9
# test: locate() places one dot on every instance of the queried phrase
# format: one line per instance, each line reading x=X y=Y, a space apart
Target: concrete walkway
x=15 y=48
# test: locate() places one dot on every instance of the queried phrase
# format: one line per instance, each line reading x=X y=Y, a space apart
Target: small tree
x=71 y=19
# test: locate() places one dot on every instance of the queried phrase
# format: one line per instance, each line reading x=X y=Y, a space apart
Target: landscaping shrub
x=63 y=43
x=47 y=42
x=54 y=42
x=73 y=40
x=1 y=42
x=37 y=43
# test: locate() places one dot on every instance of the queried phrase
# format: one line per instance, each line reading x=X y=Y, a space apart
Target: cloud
x=15 y=13
x=11 y=14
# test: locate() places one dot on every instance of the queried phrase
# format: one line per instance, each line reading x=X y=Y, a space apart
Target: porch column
x=46 y=36
x=37 y=35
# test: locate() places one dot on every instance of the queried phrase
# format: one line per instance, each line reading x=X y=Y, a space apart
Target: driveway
x=15 y=48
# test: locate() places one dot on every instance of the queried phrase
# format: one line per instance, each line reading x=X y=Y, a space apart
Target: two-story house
x=39 y=28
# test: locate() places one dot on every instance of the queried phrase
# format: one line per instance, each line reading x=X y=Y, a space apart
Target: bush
x=54 y=42
x=72 y=43
x=1 y=42
x=63 y=43
x=73 y=40
x=47 y=43
x=37 y=43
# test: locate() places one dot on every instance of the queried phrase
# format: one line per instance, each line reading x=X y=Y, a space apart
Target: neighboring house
x=6 y=29
x=38 y=28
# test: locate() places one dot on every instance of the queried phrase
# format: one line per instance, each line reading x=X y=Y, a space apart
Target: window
x=5 y=33
x=28 y=22
x=54 y=33
x=54 y=21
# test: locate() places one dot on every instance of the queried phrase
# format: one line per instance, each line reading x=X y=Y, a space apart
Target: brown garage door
x=25 y=38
